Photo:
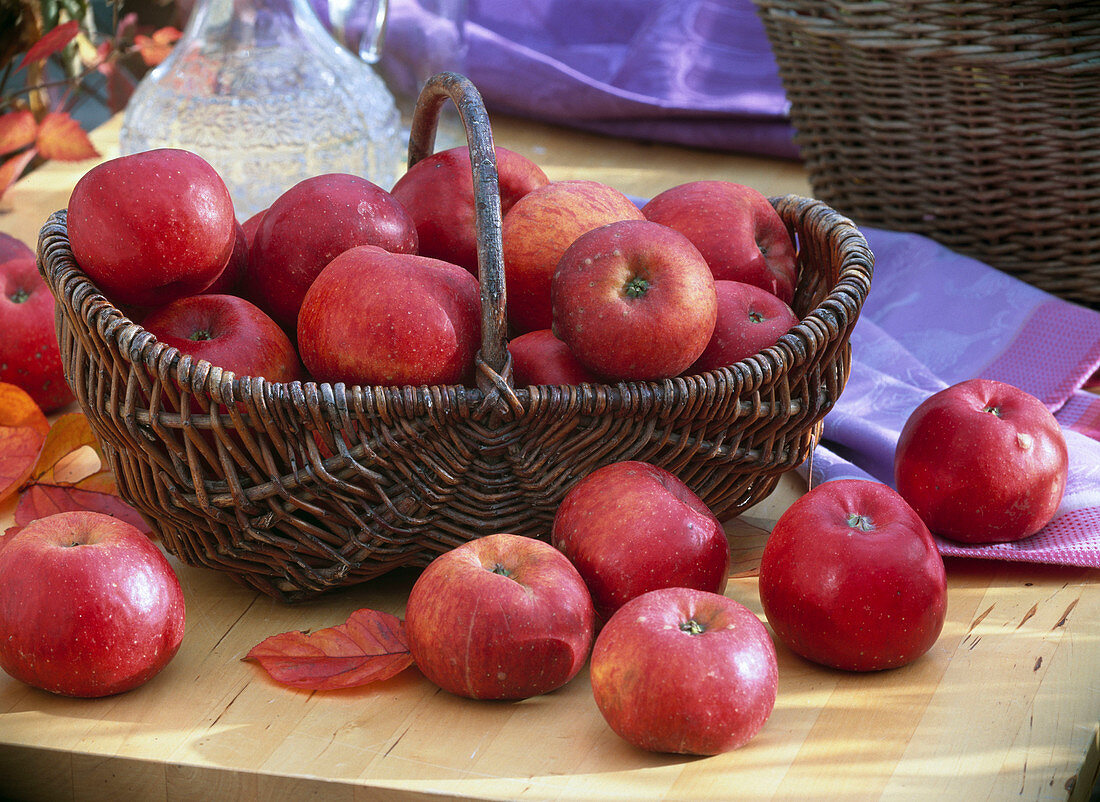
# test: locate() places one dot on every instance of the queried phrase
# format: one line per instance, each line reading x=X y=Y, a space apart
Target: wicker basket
x=298 y=488
x=975 y=123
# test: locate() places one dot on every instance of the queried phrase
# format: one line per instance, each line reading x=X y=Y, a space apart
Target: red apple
x=308 y=226
x=89 y=606
x=685 y=671
x=749 y=320
x=500 y=617
x=151 y=227
x=438 y=193
x=235 y=268
x=536 y=232
x=252 y=225
x=850 y=578
x=538 y=357
x=379 y=318
x=634 y=300
x=631 y=527
x=228 y=332
x=13 y=248
x=736 y=229
x=982 y=462
x=29 y=355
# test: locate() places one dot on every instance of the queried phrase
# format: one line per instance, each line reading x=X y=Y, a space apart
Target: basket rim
x=799 y=344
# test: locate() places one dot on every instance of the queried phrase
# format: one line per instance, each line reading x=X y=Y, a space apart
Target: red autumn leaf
x=38 y=501
x=155 y=49
x=14 y=167
x=60 y=137
x=54 y=41
x=120 y=84
x=369 y=647
x=23 y=429
x=17 y=130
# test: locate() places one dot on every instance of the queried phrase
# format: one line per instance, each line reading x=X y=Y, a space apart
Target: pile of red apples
x=339 y=280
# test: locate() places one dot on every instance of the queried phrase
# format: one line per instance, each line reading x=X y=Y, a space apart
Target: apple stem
x=201 y=334
x=636 y=287
x=756 y=317
x=861 y=522
x=993 y=411
x=692 y=627
x=500 y=569
x=20 y=296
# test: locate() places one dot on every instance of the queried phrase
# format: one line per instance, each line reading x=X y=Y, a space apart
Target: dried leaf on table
x=39 y=500
x=23 y=430
x=60 y=137
x=369 y=647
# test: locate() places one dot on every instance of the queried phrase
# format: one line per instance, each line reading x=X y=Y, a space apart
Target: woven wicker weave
x=975 y=123
x=298 y=488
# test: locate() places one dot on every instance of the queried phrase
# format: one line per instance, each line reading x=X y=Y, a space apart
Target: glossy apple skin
x=311 y=224
x=438 y=193
x=736 y=229
x=89 y=606
x=634 y=300
x=379 y=318
x=151 y=227
x=235 y=268
x=536 y=232
x=227 y=332
x=749 y=320
x=976 y=476
x=538 y=358
x=851 y=578
x=685 y=671
x=29 y=355
x=631 y=527
x=500 y=617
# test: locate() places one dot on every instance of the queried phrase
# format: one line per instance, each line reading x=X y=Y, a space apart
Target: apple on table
x=89 y=606
x=500 y=617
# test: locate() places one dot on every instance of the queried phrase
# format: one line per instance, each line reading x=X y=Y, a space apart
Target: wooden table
x=1005 y=705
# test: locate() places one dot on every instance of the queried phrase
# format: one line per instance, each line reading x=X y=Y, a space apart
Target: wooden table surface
x=1004 y=706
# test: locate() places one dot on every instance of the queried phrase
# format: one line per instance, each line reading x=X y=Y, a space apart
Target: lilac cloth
x=691 y=72
x=934 y=318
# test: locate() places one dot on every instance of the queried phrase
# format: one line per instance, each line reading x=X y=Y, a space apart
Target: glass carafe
x=265 y=94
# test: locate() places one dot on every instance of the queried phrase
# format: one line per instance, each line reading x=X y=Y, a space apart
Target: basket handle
x=487 y=214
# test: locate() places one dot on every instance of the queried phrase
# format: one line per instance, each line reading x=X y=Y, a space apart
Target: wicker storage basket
x=298 y=488
x=975 y=123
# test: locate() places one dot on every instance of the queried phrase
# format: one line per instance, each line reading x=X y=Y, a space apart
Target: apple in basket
x=438 y=192
x=631 y=527
x=538 y=357
x=151 y=227
x=750 y=319
x=736 y=229
x=536 y=232
x=500 y=617
x=378 y=318
x=685 y=671
x=309 y=225
x=29 y=355
x=228 y=332
x=851 y=578
x=12 y=247
x=982 y=462
x=236 y=267
x=89 y=606
x=634 y=300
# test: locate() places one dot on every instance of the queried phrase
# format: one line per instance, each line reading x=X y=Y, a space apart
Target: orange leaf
x=23 y=430
x=52 y=42
x=60 y=137
x=17 y=130
x=67 y=434
x=40 y=500
x=14 y=167
x=155 y=49
x=369 y=647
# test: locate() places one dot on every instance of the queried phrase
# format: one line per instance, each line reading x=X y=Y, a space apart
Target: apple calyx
x=636 y=287
x=692 y=627
x=756 y=317
x=20 y=296
x=992 y=410
x=499 y=568
x=861 y=522
x=200 y=336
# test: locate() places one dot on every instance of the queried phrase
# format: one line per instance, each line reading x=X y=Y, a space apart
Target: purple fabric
x=691 y=72
x=935 y=318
